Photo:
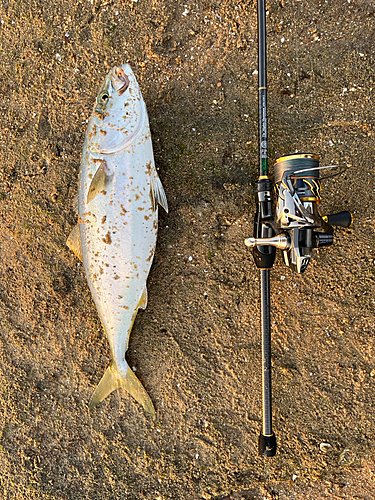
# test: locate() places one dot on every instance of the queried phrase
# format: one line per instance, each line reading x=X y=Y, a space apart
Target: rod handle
x=267 y=445
x=343 y=219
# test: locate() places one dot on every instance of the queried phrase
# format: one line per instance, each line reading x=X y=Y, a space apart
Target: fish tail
x=113 y=379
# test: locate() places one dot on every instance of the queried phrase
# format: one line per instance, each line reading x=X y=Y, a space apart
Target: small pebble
x=324 y=447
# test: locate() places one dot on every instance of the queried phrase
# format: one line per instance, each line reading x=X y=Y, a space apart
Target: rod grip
x=267 y=445
x=342 y=219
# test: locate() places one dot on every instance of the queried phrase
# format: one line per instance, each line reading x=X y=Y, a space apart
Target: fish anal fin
x=100 y=181
x=158 y=193
x=113 y=379
x=74 y=241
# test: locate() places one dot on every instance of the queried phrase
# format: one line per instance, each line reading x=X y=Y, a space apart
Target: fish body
x=119 y=193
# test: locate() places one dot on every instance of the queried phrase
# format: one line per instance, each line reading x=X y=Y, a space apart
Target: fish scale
x=119 y=193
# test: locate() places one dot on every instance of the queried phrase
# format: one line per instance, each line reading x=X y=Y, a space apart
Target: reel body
x=298 y=228
x=298 y=194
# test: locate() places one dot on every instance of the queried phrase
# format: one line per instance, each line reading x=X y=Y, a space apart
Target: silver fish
x=119 y=193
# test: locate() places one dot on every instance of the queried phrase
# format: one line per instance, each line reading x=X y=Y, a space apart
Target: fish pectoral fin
x=100 y=182
x=143 y=300
x=74 y=242
x=158 y=193
x=112 y=379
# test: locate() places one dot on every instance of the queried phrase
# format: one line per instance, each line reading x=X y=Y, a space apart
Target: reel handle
x=342 y=219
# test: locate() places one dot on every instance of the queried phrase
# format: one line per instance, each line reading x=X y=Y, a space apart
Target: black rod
x=264 y=256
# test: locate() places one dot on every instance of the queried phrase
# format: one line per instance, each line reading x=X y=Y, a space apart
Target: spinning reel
x=297 y=227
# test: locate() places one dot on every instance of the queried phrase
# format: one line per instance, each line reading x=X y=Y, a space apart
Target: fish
x=118 y=197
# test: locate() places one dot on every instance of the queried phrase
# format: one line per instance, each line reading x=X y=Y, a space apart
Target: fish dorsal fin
x=74 y=242
x=99 y=184
x=157 y=193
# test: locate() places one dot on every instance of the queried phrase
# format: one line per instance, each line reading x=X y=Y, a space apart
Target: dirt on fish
x=196 y=348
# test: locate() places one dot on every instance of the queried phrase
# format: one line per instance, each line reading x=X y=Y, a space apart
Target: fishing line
x=297 y=89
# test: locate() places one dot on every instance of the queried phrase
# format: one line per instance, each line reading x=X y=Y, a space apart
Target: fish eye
x=103 y=97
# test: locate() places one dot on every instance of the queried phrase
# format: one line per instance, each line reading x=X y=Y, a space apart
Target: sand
x=196 y=347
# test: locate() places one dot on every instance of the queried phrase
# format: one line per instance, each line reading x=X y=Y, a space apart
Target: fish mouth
x=120 y=81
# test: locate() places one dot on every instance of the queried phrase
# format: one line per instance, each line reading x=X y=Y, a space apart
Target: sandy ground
x=196 y=348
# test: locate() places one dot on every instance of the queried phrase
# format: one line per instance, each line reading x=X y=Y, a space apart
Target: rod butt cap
x=267 y=445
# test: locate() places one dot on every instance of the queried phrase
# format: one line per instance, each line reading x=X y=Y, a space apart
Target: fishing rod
x=296 y=229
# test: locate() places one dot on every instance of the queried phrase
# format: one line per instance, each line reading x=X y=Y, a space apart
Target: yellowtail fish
x=119 y=193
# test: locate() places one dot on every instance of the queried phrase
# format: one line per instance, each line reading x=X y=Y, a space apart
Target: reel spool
x=298 y=227
x=298 y=173
x=298 y=194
